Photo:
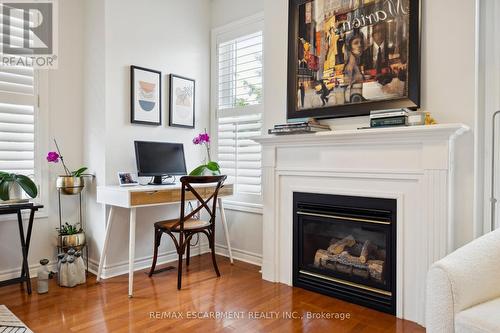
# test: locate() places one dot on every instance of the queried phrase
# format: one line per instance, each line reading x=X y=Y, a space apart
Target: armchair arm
x=466 y=277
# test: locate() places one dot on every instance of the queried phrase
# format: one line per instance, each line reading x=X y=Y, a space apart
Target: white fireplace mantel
x=413 y=165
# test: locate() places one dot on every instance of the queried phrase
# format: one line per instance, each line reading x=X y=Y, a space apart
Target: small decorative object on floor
x=210 y=168
x=309 y=126
x=10 y=323
x=43 y=277
x=71 y=269
x=72 y=182
x=12 y=186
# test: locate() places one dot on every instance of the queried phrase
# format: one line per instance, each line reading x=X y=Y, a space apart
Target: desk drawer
x=150 y=197
x=173 y=195
x=205 y=192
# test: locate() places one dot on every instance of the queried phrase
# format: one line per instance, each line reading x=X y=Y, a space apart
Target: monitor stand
x=158 y=180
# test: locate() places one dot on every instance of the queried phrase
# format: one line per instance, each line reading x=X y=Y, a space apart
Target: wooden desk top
x=152 y=195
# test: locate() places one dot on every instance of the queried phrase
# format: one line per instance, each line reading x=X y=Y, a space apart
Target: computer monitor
x=159 y=159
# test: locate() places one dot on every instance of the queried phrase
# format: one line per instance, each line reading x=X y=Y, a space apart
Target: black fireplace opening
x=345 y=247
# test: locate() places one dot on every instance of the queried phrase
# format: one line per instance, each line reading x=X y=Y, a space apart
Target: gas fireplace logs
x=339 y=246
x=362 y=259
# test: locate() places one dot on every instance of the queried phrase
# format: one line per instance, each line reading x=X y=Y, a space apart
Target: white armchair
x=463 y=289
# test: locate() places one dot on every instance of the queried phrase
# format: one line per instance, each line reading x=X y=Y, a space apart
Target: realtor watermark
x=255 y=315
x=29 y=33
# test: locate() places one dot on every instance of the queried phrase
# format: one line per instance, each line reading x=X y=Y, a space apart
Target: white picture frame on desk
x=126 y=179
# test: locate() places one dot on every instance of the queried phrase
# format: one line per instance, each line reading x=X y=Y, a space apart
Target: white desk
x=133 y=197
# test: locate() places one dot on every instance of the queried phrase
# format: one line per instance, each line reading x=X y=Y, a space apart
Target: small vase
x=70 y=185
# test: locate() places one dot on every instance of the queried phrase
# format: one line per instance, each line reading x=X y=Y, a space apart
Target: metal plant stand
x=60 y=247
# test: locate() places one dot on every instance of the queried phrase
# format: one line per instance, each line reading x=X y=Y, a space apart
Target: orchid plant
x=211 y=166
x=55 y=157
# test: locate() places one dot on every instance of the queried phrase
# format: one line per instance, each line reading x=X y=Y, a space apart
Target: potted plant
x=210 y=168
x=72 y=182
x=71 y=236
x=12 y=185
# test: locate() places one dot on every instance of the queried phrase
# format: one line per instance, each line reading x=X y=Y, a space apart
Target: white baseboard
x=144 y=262
x=109 y=271
x=241 y=255
x=16 y=272
x=171 y=256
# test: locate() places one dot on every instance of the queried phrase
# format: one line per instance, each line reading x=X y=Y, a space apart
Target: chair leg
x=158 y=234
x=179 y=272
x=211 y=240
x=188 y=252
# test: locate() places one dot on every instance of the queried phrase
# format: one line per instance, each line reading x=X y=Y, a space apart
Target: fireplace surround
x=411 y=165
x=345 y=246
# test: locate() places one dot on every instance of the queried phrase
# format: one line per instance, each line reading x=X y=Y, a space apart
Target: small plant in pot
x=12 y=186
x=71 y=236
x=72 y=182
x=210 y=167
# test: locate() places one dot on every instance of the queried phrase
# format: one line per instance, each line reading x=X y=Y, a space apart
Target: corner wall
x=166 y=35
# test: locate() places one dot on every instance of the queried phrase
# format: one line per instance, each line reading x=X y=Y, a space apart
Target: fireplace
x=345 y=247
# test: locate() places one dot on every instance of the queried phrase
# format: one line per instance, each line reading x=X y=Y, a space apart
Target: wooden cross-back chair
x=186 y=226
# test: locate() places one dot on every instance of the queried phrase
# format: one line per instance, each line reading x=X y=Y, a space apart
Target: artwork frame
x=297 y=108
x=182 y=109
x=145 y=96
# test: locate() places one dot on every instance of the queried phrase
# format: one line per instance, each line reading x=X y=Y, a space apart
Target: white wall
x=169 y=36
x=61 y=113
x=488 y=103
x=448 y=84
x=227 y=11
x=94 y=117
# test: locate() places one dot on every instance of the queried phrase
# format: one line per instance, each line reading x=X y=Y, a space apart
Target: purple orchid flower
x=53 y=157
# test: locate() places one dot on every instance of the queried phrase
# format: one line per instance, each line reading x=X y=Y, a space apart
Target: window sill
x=243 y=207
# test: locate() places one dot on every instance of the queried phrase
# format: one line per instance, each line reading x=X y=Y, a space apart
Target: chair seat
x=480 y=318
x=190 y=224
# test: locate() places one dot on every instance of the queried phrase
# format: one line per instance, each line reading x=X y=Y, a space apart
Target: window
x=17 y=120
x=23 y=131
x=237 y=90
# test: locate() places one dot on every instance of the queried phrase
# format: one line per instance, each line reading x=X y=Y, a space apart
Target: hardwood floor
x=240 y=291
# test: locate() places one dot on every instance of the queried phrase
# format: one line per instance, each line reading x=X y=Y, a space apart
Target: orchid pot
x=70 y=184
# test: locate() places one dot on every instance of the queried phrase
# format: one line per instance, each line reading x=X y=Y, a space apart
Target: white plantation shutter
x=238 y=155
x=238 y=110
x=17 y=120
x=240 y=71
x=17 y=103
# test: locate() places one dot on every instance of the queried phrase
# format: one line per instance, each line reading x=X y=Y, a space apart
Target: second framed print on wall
x=182 y=97
x=145 y=96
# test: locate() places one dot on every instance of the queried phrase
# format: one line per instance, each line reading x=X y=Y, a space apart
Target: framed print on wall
x=182 y=97
x=347 y=58
x=145 y=96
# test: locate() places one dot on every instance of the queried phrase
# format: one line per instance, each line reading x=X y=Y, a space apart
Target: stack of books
x=391 y=117
x=311 y=126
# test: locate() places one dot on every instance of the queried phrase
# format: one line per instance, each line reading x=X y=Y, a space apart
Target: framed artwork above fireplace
x=347 y=58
